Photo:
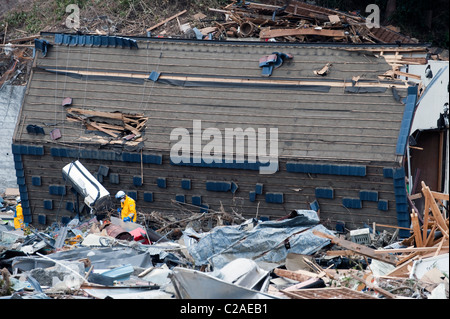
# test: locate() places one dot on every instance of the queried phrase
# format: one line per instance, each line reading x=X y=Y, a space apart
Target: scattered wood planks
x=423 y=242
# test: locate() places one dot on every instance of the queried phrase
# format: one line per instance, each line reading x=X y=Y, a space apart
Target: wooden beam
x=340 y=84
x=434 y=207
x=98 y=127
x=416 y=227
x=415 y=196
x=408 y=75
x=441 y=244
x=304 y=31
x=430 y=239
x=294 y=275
x=440 y=196
x=30 y=38
x=390 y=226
x=166 y=20
x=408 y=250
x=407 y=258
x=359 y=249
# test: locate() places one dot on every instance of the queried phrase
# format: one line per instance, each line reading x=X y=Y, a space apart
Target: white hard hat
x=120 y=194
x=18 y=199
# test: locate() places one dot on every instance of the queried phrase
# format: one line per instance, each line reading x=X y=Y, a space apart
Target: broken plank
x=441 y=244
x=391 y=226
x=408 y=257
x=430 y=238
x=109 y=132
x=426 y=219
x=166 y=20
x=408 y=75
x=30 y=38
x=434 y=207
x=359 y=249
x=295 y=275
x=408 y=250
x=116 y=116
x=305 y=31
x=415 y=196
x=402 y=270
x=416 y=227
x=207 y=30
x=441 y=196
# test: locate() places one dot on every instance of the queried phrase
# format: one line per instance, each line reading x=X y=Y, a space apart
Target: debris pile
x=15 y=62
x=298 y=21
x=218 y=255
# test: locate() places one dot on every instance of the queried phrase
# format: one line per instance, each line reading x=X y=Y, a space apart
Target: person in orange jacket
x=18 y=215
x=127 y=207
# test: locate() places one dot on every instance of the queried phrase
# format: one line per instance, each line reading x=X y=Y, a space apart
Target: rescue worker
x=18 y=215
x=127 y=207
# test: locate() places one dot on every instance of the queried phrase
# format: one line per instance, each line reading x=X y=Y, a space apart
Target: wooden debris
x=114 y=124
x=166 y=20
x=298 y=275
x=359 y=249
x=298 y=21
x=324 y=71
x=304 y=31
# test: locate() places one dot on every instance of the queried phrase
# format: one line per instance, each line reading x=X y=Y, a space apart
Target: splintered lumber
x=304 y=31
x=298 y=275
x=357 y=248
x=391 y=226
x=118 y=122
x=437 y=215
x=104 y=130
x=166 y=20
x=409 y=250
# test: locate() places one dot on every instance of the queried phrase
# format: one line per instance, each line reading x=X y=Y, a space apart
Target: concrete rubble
x=292 y=258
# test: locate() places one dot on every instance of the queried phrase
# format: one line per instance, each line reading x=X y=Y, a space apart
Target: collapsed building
x=150 y=116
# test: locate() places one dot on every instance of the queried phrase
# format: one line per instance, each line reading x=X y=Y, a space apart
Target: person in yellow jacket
x=18 y=215
x=127 y=207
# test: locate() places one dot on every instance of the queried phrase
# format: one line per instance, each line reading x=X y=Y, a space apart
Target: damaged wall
x=11 y=97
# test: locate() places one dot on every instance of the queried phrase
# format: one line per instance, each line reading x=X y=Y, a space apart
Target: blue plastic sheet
x=267 y=243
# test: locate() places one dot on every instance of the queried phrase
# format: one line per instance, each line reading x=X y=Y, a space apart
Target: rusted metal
x=118 y=232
